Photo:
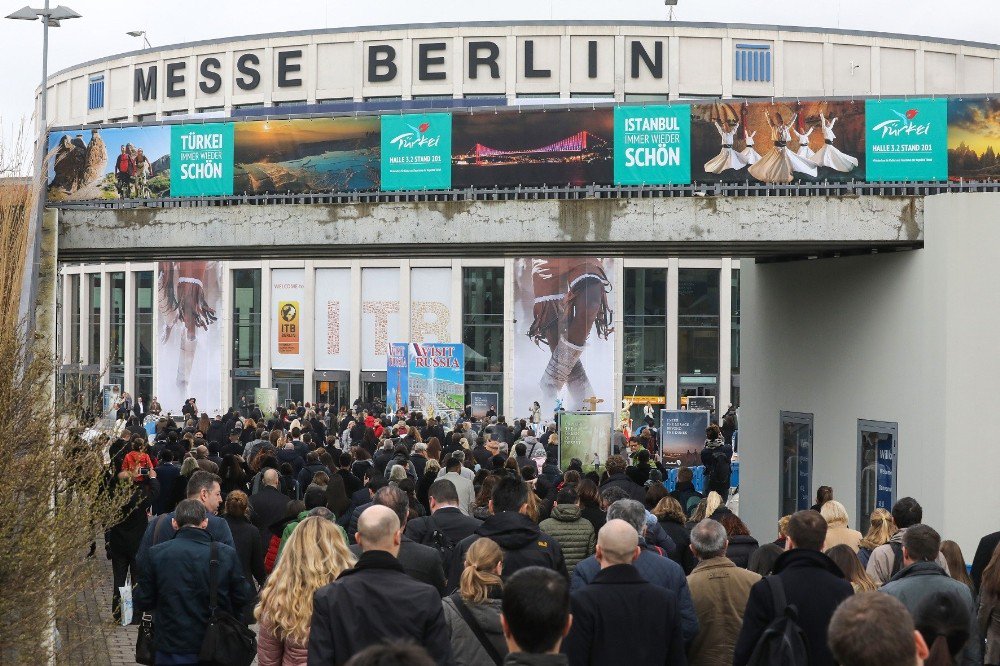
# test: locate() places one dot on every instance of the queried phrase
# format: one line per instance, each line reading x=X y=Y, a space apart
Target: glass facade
x=698 y=332
x=246 y=334
x=734 y=364
x=483 y=330
x=74 y=319
x=94 y=285
x=645 y=339
x=116 y=374
x=143 y=315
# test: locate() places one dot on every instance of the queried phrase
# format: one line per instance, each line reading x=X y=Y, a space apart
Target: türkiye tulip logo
x=417 y=137
x=902 y=125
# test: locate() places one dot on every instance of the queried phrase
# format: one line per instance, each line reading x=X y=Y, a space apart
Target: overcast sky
x=102 y=29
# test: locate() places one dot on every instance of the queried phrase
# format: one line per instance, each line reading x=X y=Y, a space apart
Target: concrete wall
x=907 y=337
x=623 y=225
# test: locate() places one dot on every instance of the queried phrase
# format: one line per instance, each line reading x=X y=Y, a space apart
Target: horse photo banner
x=730 y=141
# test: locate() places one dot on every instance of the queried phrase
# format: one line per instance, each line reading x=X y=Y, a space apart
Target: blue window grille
x=95 y=96
x=753 y=62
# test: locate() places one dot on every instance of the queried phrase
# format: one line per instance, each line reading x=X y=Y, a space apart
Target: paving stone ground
x=90 y=637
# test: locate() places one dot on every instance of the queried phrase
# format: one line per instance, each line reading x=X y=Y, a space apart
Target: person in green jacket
x=315 y=506
x=567 y=526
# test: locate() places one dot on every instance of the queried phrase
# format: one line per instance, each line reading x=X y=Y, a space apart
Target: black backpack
x=783 y=643
x=439 y=541
x=721 y=471
x=897 y=558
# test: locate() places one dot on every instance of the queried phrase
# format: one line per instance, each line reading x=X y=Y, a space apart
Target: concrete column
x=67 y=319
x=265 y=324
x=673 y=284
x=508 y=337
x=84 y=319
x=457 y=310
x=226 y=322
x=355 y=323
x=105 y=323
x=307 y=324
x=725 y=335
x=404 y=301
x=619 y=324
x=129 y=330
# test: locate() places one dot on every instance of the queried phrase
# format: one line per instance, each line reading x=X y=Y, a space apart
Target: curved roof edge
x=503 y=24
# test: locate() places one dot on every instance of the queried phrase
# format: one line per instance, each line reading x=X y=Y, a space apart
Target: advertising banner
x=306 y=155
x=189 y=335
x=906 y=139
x=974 y=139
x=201 y=160
x=288 y=291
x=682 y=435
x=563 y=353
x=430 y=304
x=653 y=145
x=332 y=338
x=397 y=369
x=779 y=142
x=109 y=163
x=266 y=399
x=109 y=396
x=483 y=403
x=702 y=403
x=437 y=380
x=585 y=436
x=379 y=315
x=416 y=152
x=564 y=147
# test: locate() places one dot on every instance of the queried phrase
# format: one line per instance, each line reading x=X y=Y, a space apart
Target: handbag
x=481 y=636
x=125 y=601
x=227 y=642
x=145 y=653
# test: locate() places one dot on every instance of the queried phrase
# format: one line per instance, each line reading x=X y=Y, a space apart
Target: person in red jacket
x=124 y=171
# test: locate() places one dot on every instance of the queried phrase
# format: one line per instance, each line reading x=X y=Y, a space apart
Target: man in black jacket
x=445 y=518
x=418 y=561
x=812 y=583
x=376 y=601
x=620 y=608
x=268 y=505
x=523 y=544
x=685 y=492
x=616 y=479
x=984 y=553
x=176 y=585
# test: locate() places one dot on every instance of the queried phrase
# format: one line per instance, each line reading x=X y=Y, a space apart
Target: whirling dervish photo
x=749 y=153
x=804 y=151
x=828 y=155
x=779 y=164
x=728 y=158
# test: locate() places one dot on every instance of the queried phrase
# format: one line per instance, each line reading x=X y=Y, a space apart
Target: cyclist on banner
x=124 y=172
x=143 y=172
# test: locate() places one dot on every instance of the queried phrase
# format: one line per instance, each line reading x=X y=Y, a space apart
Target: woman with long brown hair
x=847 y=560
x=477 y=601
x=314 y=556
x=481 y=506
x=989 y=609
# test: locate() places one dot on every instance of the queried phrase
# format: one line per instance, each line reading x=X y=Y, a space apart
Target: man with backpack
x=788 y=613
x=717 y=457
x=887 y=560
x=446 y=526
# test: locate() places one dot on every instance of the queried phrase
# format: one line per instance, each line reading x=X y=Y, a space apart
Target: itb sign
x=906 y=139
x=653 y=145
x=201 y=160
x=416 y=152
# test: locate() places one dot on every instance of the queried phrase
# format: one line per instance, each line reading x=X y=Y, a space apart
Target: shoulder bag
x=481 y=636
x=227 y=642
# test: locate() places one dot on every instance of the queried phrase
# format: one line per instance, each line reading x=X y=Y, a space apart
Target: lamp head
x=24 y=14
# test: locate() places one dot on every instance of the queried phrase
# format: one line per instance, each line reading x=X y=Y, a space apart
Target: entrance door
x=877 y=448
x=796 y=461
x=373 y=391
x=333 y=394
x=290 y=385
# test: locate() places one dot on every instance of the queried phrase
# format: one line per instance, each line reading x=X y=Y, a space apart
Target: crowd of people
x=371 y=538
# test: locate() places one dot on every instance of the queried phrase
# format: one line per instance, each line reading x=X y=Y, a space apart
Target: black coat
x=741 y=549
x=634 y=490
x=595 y=515
x=814 y=585
x=523 y=545
x=373 y=602
x=449 y=520
x=621 y=617
x=267 y=508
x=248 y=547
x=352 y=484
x=984 y=552
x=419 y=562
x=167 y=474
x=683 y=493
x=419 y=462
x=682 y=554
x=176 y=586
x=123 y=539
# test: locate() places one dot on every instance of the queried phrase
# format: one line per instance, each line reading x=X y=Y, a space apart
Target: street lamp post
x=140 y=33
x=32 y=261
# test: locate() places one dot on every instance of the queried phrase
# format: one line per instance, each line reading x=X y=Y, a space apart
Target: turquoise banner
x=906 y=140
x=653 y=145
x=416 y=152
x=201 y=160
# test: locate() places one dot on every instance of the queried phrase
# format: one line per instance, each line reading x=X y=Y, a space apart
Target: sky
x=101 y=31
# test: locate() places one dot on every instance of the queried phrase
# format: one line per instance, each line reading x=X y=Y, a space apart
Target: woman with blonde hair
x=837 y=530
x=314 y=556
x=880 y=530
x=477 y=604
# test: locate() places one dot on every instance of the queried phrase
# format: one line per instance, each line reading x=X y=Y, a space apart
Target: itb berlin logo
x=416 y=152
